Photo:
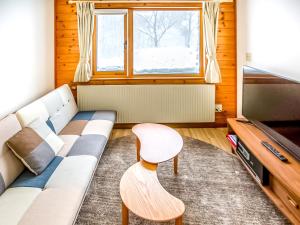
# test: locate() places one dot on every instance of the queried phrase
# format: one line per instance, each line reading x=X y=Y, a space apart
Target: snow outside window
x=110 y=43
x=166 y=42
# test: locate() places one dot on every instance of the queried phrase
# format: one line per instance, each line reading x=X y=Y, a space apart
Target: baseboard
x=175 y=125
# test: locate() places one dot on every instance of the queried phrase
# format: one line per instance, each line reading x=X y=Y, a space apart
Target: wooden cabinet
x=288 y=198
x=284 y=186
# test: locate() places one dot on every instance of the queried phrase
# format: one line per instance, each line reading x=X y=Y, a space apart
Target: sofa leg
x=125 y=218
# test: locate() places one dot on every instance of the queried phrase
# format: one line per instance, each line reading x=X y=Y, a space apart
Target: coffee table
x=143 y=195
x=140 y=189
x=156 y=143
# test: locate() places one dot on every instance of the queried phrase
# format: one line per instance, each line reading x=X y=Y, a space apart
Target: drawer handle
x=293 y=202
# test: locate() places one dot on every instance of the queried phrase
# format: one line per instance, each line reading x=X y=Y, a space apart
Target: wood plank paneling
x=67 y=53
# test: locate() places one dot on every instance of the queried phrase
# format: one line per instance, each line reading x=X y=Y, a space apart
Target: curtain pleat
x=210 y=19
x=85 y=22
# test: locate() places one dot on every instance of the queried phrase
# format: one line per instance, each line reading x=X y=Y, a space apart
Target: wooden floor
x=214 y=136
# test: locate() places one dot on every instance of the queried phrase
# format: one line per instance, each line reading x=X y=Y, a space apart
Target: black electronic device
x=272 y=104
x=243 y=121
x=274 y=151
x=258 y=170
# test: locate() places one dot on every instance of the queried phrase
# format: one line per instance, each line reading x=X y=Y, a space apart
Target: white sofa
x=54 y=197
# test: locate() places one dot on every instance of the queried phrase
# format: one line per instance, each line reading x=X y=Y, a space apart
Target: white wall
x=26 y=52
x=270 y=31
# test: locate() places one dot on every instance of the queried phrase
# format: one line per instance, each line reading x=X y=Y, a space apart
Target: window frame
x=109 y=74
x=128 y=72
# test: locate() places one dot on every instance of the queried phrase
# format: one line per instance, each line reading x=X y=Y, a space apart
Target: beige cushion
x=54 y=206
x=73 y=171
x=14 y=203
x=42 y=129
x=61 y=107
x=101 y=127
x=31 y=112
x=58 y=107
x=10 y=166
x=61 y=198
x=69 y=140
x=68 y=100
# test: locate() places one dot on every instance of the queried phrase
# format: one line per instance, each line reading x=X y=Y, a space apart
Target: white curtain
x=210 y=20
x=85 y=21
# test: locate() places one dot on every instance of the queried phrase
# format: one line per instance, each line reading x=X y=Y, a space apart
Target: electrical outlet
x=219 y=107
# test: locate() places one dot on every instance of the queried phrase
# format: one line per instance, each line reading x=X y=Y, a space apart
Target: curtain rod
x=147 y=1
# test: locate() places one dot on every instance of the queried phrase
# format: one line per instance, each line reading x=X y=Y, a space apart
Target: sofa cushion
x=2 y=184
x=101 y=127
x=35 y=145
x=53 y=102
x=96 y=115
x=74 y=127
x=27 y=179
x=47 y=135
x=69 y=141
x=73 y=171
x=61 y=196
x=31 y=149
x=53 y=206
x=83 y=115
x=92 y=144
x=33 y=111
x=91 y=122
x=14 y=203
x=65 y=108
x=57 y=108
x=10 y=166
x=105 y=115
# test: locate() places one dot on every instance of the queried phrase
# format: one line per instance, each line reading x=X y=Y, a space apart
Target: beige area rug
x=214 y=186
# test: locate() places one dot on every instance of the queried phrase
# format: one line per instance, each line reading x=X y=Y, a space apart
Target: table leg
x=138 y=147
x=178 y=221
x=176 y=164
x=125 y=217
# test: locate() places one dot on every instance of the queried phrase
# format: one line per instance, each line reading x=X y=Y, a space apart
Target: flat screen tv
x=272 y=103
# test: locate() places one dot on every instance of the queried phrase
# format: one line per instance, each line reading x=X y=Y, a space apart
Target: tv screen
x=273 y=102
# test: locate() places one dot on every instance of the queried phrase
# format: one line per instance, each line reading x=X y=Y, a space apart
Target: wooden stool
x=143 y=195
x=157 y=143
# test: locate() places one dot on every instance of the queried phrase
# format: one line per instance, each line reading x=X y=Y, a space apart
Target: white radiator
x=151 y=103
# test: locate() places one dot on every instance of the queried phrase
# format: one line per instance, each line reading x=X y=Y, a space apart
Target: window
x=110 y=51
x=110 y=40
x=161 y=42
x=166 y=42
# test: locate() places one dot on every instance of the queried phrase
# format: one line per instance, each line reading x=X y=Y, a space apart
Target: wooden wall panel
x=67 y=53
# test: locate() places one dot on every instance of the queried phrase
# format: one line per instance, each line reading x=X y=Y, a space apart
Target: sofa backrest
x=56 y=108
x=10 y=165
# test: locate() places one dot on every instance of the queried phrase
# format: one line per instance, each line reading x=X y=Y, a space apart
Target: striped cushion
x=35 y=145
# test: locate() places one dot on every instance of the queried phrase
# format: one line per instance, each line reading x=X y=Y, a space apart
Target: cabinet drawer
x=291 y=201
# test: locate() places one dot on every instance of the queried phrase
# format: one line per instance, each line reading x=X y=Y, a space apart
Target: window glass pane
x=110 y=43
x=166 y=42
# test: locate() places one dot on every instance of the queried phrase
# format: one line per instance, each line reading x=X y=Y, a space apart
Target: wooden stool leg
x=138 y=147
x=178 y=221
x=176 y=164
x=125 y=217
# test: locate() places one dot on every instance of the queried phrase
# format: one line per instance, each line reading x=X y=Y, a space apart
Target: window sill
x=144 y=80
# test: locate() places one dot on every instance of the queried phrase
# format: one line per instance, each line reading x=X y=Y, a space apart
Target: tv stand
x=284 y=178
